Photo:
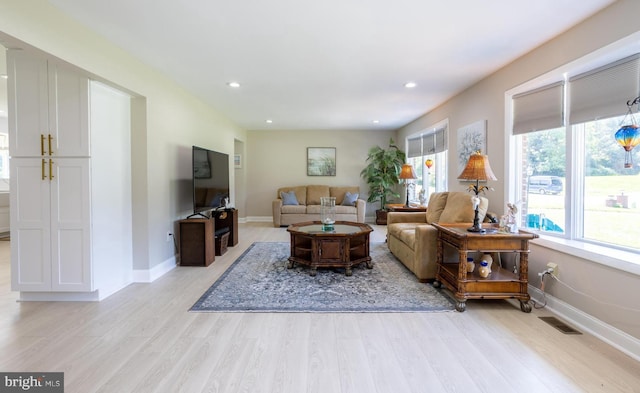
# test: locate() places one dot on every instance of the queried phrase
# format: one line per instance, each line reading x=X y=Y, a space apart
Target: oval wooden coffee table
x=345 y=246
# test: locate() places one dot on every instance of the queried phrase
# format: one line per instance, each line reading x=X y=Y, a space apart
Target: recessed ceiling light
x=4 y=76
x=233 y=84
x=410 y=85
x=376 y=121
x=269 y=121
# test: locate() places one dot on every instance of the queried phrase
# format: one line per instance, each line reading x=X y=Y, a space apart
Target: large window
x=570 y=178
x=428 y=147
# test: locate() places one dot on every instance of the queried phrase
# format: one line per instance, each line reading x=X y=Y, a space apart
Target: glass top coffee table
x=345 y=246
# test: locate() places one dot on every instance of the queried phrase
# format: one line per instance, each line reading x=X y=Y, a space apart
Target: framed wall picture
x=471 y=138
x=237 y=161
x=321 y=161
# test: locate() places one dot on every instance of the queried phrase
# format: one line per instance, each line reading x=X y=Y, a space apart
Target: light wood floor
x=142 y=339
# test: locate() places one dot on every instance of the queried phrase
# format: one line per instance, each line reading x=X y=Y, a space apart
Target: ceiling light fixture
x=4 y=76
x=410 y=85
x=233 y=84
x=269 y=121
x=376 y=121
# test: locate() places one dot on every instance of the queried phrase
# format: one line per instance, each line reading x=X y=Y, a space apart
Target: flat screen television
x=210 y=179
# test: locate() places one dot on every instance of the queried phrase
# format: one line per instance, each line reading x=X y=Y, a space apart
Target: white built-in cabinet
x=57 y=176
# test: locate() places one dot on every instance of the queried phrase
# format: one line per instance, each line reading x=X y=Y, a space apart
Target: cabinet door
x=28 y=103
x=48 y=107
x=68 y=112
x=30 y=226
x=70 y=230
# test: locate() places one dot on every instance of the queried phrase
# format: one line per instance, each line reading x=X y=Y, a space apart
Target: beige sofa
x=412 y=239
x=308 y=204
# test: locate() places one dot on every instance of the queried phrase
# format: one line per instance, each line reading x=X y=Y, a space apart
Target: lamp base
x=482 y=230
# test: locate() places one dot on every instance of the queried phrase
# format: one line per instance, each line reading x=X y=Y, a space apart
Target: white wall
x=166 y=120
x=610 y=295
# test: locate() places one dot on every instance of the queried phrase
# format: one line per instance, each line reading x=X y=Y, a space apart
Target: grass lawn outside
x=605 y=218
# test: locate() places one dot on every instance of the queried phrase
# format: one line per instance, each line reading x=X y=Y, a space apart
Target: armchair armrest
x=361 y=208
x=276 y=207
x=393 y=217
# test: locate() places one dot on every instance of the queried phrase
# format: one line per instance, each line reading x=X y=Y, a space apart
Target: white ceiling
x=328 y=64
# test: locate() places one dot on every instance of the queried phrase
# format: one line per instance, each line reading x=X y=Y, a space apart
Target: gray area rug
x=259 y=281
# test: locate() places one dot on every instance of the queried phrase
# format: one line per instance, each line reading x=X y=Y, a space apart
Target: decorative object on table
x=422 y=197
x=488 y=259
x=471 y=138
x=382 y=176
x=628 y=136
x=327 y=213
x=484 y=271
x=471 y=265
x=408 y=174
x=321 y=161
x=508 y=222
x=259 y=281
x=478 y=168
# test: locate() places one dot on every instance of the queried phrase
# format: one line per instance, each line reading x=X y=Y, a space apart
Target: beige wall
x=167 y=120
x=278 y=159
x=608 y=294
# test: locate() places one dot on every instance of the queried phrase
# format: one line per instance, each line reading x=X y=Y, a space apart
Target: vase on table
x=328 y=213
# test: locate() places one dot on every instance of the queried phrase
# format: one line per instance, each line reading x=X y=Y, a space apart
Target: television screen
x=210 y=179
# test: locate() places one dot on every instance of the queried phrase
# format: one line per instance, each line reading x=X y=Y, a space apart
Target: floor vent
x=558 y=324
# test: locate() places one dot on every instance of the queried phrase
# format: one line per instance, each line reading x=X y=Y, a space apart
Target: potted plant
x=382 y=175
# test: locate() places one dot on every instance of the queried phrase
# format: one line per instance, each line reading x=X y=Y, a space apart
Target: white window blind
x=539 y=109
x=431 y=143
x=604 y=92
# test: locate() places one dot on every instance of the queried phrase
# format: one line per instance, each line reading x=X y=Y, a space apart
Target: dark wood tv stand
x=198 y=236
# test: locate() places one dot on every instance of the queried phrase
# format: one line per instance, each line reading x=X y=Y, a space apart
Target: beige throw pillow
x=460 y=208
x=315 y=192
x=437 y=202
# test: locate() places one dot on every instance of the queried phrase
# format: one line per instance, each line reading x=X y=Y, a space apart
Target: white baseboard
x=579 y=319
x=150 y=275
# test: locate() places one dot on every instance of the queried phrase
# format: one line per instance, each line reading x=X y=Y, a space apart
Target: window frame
x=569 y=242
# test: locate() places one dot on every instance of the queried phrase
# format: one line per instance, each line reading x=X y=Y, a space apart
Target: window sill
x=617 y=259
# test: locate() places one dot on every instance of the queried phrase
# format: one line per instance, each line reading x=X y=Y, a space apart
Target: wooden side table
x=400 y=207
x=501 y=283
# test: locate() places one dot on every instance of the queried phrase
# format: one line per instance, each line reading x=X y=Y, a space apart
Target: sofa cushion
x=301 y=193
x=396 y=228
x=340 y=192
x=349 y=199
x=293 y=209
x=289 y=198
x=437 y=202
x=314 y=193
x=459 y=208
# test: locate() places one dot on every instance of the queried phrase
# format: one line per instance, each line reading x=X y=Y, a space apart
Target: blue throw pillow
x=289 y=198
x=349 y=199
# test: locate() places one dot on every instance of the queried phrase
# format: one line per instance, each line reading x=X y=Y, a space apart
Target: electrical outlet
x=554 y=268
x=169 y=234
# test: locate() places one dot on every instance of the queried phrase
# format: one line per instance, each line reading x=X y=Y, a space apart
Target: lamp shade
x=478 y=168
x=407 y=172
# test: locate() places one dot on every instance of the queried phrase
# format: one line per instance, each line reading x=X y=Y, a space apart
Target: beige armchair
x=412 y=239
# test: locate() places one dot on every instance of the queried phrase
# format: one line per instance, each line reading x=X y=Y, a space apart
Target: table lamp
x=407 y=174
x=478 y=168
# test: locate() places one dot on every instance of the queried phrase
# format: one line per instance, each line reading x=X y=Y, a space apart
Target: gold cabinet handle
x=43 y=175
x=50 y=170
x=50 y=151
x=42 y=144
